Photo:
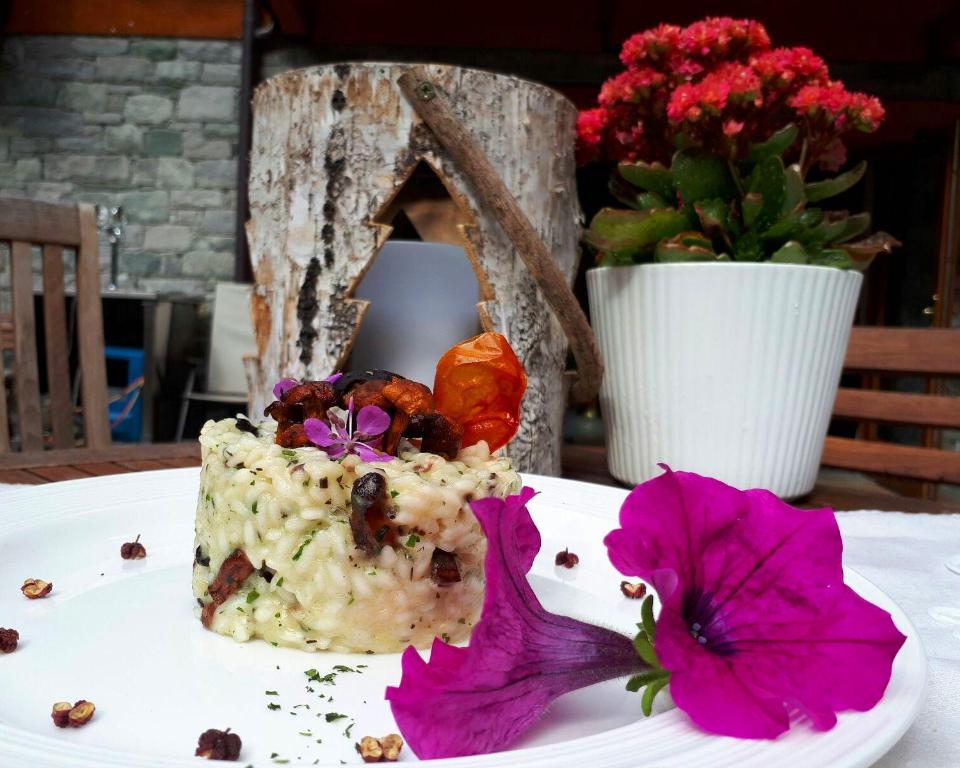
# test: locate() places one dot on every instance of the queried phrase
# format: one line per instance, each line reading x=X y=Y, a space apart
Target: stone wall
x=146 y=123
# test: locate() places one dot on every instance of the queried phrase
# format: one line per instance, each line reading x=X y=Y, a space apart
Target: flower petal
x=755 y=616
x=371 y=421
x=482 y=698
x=333 y=377
x=319 y=433
x=282 y=387
x=368 y=454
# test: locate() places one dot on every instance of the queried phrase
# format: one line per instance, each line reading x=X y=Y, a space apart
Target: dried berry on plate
x=36 y=588
x=479 y=385
x=81 y=714
x=60 y=713
x=385 y=750
x=8 y=640
x=74 y=715
x=218 y=745
x=133 y=550
x=567 y=559
x=633 y=591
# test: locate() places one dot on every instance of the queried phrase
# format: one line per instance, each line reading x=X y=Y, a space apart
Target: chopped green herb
x=361 y=666
x=305 y=733
x=316 y=677
x=372 y=572
x=412 y=540
x=280 y=582
x=349 y=728
x=352 y=598
x=381 y=532
x=276 y=615
x=299 y=552
x=273 y=706
x=252 y=596
x=343 y=668
x=270 y=693
x=288 y=454
x=394 y=494
x=331 y=716
x=254 y=507
x=274 y=643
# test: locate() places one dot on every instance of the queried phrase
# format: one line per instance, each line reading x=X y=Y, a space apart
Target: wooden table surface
x=580 y=462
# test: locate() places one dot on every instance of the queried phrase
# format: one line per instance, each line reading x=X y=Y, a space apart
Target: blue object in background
x=130 y=427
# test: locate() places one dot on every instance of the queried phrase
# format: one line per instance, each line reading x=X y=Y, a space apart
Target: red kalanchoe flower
x=717 y=85
x=591 y=130
x=652 y=46
x=785 y=67
x=755 y=616
x=482 y=698
x=631 y=85
x=723 y=36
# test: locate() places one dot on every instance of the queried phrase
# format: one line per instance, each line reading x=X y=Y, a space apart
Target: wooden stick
x=435 y=110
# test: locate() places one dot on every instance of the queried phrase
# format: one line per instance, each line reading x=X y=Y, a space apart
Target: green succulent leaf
x=717 y=220
x=855 y=225
x=790 y=252
x=794 y=198
x=650 y=693
x=748 y=248
x=831 y=227
x=699 y=176
x=775 y=146
x=832 y=257
x=821 y=190
x=652 y=177
x=646 y=677
x=864 y=251
x=766 y=193
x=686 y=246
x=628 y=233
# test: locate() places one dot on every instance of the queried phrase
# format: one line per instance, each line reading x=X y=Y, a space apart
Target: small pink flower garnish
x=755 y=617
x=282 y=387
x=341 y=435
x=482 y=698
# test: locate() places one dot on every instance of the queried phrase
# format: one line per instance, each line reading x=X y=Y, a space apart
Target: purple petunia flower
x=756 y=623
x=334 y=377
x=482 y=698
x=340 y=435
x=282 y=387
x=755 y=620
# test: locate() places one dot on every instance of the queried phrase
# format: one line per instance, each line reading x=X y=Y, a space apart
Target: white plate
x=123 y=635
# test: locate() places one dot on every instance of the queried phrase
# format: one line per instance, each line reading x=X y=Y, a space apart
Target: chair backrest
x=23 y=224
x=231 y=337
x=924 y=352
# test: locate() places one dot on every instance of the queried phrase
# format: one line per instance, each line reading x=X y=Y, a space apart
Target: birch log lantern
x=339 y=151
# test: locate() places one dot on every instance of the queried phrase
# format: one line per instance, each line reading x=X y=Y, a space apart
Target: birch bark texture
x=332 y=147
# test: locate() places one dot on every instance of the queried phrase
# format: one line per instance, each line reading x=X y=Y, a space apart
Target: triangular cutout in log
x=423 y=287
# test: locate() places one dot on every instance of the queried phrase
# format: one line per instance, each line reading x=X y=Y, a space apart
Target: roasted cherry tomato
x=479 y=386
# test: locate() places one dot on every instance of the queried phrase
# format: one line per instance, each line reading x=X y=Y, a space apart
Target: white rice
x=290 y=511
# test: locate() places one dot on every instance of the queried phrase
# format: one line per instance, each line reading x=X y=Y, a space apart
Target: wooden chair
x=928 y=353
x=25 y=223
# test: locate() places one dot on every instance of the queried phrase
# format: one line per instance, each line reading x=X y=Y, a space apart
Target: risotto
x=309 y=552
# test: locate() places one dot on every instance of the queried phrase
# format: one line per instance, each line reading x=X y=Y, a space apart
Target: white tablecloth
x=905 y=555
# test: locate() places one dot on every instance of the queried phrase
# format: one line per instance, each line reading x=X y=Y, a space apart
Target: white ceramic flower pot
x=728 y=370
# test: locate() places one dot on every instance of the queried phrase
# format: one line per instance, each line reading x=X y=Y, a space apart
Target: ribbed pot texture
x=727 y=370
